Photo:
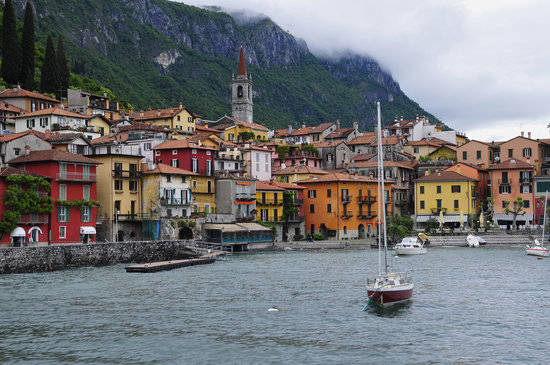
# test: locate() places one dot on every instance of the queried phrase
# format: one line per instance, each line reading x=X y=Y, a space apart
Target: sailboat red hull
x=390 y=296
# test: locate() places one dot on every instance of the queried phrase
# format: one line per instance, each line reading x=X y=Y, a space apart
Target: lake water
x=485 y=305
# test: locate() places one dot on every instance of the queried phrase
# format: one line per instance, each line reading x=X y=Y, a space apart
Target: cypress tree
x=48 y=79
x=26 y=76
x=10 y=46
x=63 y=74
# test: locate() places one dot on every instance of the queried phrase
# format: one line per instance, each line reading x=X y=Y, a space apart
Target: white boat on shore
x=410 y=246
x=475 y=241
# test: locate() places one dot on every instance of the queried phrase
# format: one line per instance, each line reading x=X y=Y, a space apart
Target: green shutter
x=67 y=214
x=82 y=214
x=58 y=210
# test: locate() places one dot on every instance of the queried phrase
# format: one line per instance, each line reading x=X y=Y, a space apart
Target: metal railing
x=33 y=218
x=525 y=180
x=346 y=199
x=504 y=182
x=439 y=210
x=366 y=199
x=269 y=202
x=174 y=201
x=131 y=174
x=347 y=215
x=75 y=176
x=366 y=216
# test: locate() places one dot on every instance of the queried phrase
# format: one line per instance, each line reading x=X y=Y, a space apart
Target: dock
x=169 y=265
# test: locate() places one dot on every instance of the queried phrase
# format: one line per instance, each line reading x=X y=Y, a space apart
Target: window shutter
x=58 y=213
x=66 y=214
x=82 y=214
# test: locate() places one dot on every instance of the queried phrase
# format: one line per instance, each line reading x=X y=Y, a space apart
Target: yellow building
x=269 y=202
x=293 y=174
x=232 y=127
x=101 y=124
x=448 y=192
x=444 y=152
x=203 y=192
x=119 y=191
x=174 y=118
x=423 y=147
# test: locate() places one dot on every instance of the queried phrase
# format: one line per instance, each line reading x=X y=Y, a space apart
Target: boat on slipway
x=475 y=241
x=388 y=288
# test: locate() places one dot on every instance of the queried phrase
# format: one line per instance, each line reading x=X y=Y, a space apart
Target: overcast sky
x=482 y=66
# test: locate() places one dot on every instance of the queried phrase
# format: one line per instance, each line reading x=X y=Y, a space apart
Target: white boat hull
x=538 y=251
x=411 y=250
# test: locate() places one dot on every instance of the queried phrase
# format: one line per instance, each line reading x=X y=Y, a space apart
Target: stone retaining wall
x=60 y=257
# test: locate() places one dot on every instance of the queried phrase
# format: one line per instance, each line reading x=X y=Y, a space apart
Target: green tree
x=63 y=74
x=399 y=227
x=11 y=53
x=48 y=80
x=515 y=210
x=26 y=75
x=289 y=210
x=246 y=136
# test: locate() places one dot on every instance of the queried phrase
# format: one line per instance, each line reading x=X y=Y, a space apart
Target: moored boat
x=537 y=248
x=410 y=246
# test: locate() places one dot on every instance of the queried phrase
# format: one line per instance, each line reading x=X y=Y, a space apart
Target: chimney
x=181 y=105
x=27 y=150
x=337 y=123
x=289 y=129
x=522 y=133
x=356 y=127
x=529 y=135
x=303 y=125
x=401 y=118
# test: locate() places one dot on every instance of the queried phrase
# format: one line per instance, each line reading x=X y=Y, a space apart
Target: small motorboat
x=537 y=249
x=475 y=241
x=410 y=246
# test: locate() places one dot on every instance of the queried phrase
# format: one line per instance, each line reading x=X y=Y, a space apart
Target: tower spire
x=242 y=65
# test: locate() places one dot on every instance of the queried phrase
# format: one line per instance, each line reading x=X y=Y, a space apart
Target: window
x=275 y=215
x=329 y=208
x=464 y=155
x=329 y=193
x=62 y=232
x=62 y=192
x=175 y=163
x=504 y=178
x=147 y=146
x=62 y=170
x=312 y=194
x=510 y=152
x=267 y=162
x=438 y=203
x=194 y=185
x=504 y=189
x=455 y=189
x=526 y=204
x=415 y=149
x=194 y=151
x=43 y=122
x=478 y=155
x=17 y=151
x=117 y=206
x=30 y=123
x=62 y=214
x=179 y=118
x=209 y=167
x=86 y=214
x=527 y=152
x=86 y=192
x=312 y=208
x=133 y=185
x=438 y=189
x=421 y=189
x=183 y=179
x=456 y=204
x=209 y=186
x=208 y=153
x=195 y=164
x=526 y=189
x=157 y=153
x=174 y=152
x=345 y=230
x=118 y=185
x=86 y=172
x=505 y=204
x=422 y=204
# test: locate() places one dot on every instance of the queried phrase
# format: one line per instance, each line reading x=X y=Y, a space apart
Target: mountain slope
x=155 y=53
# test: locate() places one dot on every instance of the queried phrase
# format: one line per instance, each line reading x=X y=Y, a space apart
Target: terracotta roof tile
x=181 y=143
x=22 y=93
x=8 y=171
x=265 y=185
x=366 y=138
x=363 y=157
x=444 y=176
x=402 y=164
x=7 y=107
x=168 y=170
x=338 y=176
x=300 y=170
x=339 y=133
x=53 y=111
x=53 y=155
x=13 y=136
x=286 y=186
x=157 y=113
x=510 y=164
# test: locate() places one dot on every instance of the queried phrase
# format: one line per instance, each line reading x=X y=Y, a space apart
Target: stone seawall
x=60 y=257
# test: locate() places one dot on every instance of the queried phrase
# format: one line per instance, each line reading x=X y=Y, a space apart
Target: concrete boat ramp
x=209 y=257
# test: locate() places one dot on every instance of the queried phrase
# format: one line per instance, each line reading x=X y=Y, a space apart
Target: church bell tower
x=241 y=93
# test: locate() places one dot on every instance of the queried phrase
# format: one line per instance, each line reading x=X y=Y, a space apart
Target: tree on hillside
x=48 y=80
x=10 y=45
x=515 y=210
x=26 y=75
x=63 y=74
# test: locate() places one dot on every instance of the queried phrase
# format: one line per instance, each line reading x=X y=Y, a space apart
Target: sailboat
x=388 y=287
x=538 y=249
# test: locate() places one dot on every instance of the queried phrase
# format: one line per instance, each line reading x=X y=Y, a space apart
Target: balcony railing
x=347 y=215
x=439 y=210
x=75 y=176
x=246 y=218
x=245 y=197
x=174 y=201
x=269 y=202
x=503 y=182
x=366 y=199
x=366 y=216
x=346 y=199
x=33 y=219
x=131 y=174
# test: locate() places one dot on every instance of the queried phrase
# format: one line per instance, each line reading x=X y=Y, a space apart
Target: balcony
x=439 y=210
x=33 y=219
x=346 y=199
x=246 y=218
x=366 y=216
x=126 y=174
x=366 y=199
x=347 y=215
x=75 y=176
x=525 y=180
x=267 y=202
x=244 y=197
x=174 y=201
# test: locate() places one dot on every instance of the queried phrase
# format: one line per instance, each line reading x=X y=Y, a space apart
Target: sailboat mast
x=544 y=216
x=379 y=201
x=381 y=189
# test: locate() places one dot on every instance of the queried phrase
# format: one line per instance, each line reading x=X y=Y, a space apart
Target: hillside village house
x=173 y=118
x=306 y=135
x=448 y=192
x=55 y=119
x=257 y=162
x=295 y=156
x=334 y=155
x=186 y=155
x=73 y=178
x=8 y=113
x=232 y=127
x=477 y=173
x=420 y=128
x=342 y=206
x=423 y=147
x=343 y=134
x=27 y=100
x=100 y=123
x=89 y=104
x=16 y=144
x=361 y=144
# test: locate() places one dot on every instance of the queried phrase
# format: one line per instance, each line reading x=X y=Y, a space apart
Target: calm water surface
x=470 y=306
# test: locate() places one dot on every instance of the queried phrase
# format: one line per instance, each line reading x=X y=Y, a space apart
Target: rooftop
x=181 y=143
x=300 y=170
x=53 y=155
x=52 y=111
x=167 y=170
x=444 y=176
x=22 y=93
x=510 y=164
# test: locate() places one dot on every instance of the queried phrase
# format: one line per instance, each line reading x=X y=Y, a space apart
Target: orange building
x=509 y=180
x=342 y=206
x=475 y=153
x=475 y=172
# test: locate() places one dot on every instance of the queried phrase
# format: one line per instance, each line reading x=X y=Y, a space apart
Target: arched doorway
x=120 y=236
x=323 y=231
x=361 y=230
x=185 y=233
x=34 y=233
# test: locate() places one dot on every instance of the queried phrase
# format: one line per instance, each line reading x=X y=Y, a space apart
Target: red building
x=73 y=181
x=31 y=227
x=186 y=155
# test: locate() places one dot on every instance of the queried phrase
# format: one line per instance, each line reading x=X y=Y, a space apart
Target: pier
x=169 y=265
